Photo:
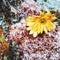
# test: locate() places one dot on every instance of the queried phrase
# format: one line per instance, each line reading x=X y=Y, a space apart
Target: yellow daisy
x=41 y=23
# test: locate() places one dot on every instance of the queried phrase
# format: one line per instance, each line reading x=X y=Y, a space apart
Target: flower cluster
x=44 y=46
x=16 y=30
x=29 y=7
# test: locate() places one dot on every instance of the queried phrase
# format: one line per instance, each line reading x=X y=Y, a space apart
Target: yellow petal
x=45 y=29
x=30 y=19
x=28 y=28
x=42 y=14
x=35 y=34
x=54 y=18
x=41 y=28
x=52 y=25
x=48 y=28
x=35 y=27
x=48 y=14
x=30 y=23
x=31 y=32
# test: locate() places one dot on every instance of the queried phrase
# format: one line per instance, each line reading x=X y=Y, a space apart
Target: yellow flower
x=41 y=23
